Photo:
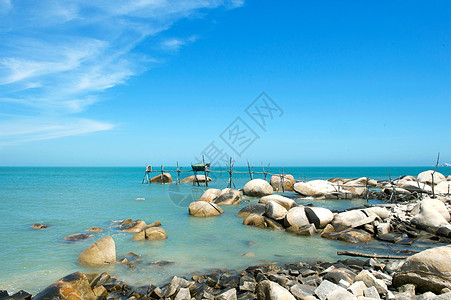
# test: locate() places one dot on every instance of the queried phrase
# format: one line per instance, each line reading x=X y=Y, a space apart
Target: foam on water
x=72 y=200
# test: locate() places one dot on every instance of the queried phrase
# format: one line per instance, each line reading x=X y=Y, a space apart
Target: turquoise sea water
x=72 y=200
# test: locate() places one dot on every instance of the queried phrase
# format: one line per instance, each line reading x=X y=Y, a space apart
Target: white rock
x=370 y=280
x=284 y=201
x=438 y=205
x=357 y=288
x=275 y=211
x=319 y=216
x=314 y=188
x=443 y=188
x=381 y=212
x=257 y=188
x=296 y=216
x=426 y=177
x=428 y=217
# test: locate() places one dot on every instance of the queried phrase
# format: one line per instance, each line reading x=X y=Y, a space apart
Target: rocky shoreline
x=419 y=210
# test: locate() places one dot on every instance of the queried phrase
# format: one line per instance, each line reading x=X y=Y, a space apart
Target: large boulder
x=258 y=209
x=414 y=186
x=228 y=197
x=357 y=187
x=102 y=252
x=284 y=201
x=255 y=220
x=438 y=205
x=296 y=217
x=155 y=233
x=314 y=188
x=275 y=211
x=426 y=177
x=257 y=188
x=319 y=216
x=204 y=209
x=381 y=212
x=428 y=217
x=161 y=178
x=210 y=195
x=71 y=287
x=192 y=178
x=288 y=182
x=443 y=188
x=429 y=270
x=348 y=218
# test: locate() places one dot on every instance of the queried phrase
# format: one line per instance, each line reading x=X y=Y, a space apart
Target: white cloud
x=56 y=57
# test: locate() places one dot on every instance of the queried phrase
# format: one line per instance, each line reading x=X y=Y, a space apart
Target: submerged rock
x=161 y=178
x=228 y=196
x=102 y=252
x=78 y=237
x=257 y=188
x=95 y=229
x=38 y=226
x=204 y=209
x=71 y=287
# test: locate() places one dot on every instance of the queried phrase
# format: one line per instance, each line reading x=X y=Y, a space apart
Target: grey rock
x=371 y=292
x=370 y=280
x=357 y=288
x=258 y=209
x=340 y=294
x=302 y=291
x=227 y=295
x=325 y=288
x=183 y=294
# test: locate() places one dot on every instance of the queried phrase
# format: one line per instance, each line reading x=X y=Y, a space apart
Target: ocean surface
x=72 y=200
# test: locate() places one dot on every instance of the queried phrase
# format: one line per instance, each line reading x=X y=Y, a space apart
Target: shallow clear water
x=72 y=200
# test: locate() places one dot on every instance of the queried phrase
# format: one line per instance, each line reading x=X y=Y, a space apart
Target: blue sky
x=124 y=83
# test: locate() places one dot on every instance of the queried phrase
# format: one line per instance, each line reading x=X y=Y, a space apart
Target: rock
x=338 y=274
x=228 y=197
x=381 y=212
x=271 y=290
x=140 y=236
x=303 y=291
x=20 y=295
x=342 y=194
x=257 y=188
x=314 y=188
x=255 y=220
x=155 y=233
x=192 y=178
x=357 y=187
x=355 y=236
x=258 y=209
x=227 y=295
x=443 y=188
x=71 y=287
x=340 y=294
x=161 y=178
x=428 y=217
x=370 y=280
x=326 y=287
x=130 y=225
x=204 y=209
x=357 y=288
x=383 y=228
x=154 y=224
x=348 y=218
x=319 y=216
x=102 y=252
x=100 y=279
x=247 y=283
x=176 y=284
x=438 y=205
x=183 y=294
x=77 y=237
x=328 y=229
x=100 y=291
x=414 y=186
x=296 y=216
x=429 y=270
x=444 y=230
x=275 y=211
x=307 y=230
x=371 y=292
x=95 y=229
x=284 y=201
x=272 y=224
x=288 y=182
x=38 y=226
x=210 y=195
x=426 y=177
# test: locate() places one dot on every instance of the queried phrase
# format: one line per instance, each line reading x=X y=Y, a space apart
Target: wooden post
x=436 y=165
x=178 y=173
x=249 y=168
x=161 y=176
x=205 y=171
x=281 y=179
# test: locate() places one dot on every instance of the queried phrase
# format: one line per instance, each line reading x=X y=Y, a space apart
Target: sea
x=71 y=200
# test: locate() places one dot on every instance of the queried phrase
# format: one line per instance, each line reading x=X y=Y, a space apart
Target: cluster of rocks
x=142 y=230
x=167 y=178
x=208 y=204
x=426 y=275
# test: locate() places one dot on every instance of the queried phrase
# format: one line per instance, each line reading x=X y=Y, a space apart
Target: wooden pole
x=351 y=253
x=178 y=173
x=436 y=165
x=249 y=168
x=205 y=171
x=161 y=174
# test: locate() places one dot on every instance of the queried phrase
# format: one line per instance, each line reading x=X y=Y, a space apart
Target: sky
x=294 y=83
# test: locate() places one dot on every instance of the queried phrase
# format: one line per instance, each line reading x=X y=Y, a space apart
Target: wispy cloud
x=57 y=57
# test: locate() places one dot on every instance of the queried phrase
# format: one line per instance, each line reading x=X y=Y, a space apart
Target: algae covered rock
x=71 y=287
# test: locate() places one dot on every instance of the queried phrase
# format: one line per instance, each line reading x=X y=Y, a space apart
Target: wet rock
x=227 y=295
x=100 y=280
x=204 y=209
x=228 y=197
x=275 y=211
x=390 y=237
x=20 y=295
x=140 y=236
x=78 y=237
x=257 y=188
x=161 y=178
x=95 y=229
x=100 y=253
x=38 y=226
x=444 y=230
x=429 y=270
x=210 y=195
x=176 y=284
x=355 y=236
x=273 y=224
x=154 y=224
x=271 y=290
x=370 y=280
x=284 y=201
x=348 y=218
x=288 y=182
x=314 y=188
x=426 y=177
x=319 y=216
x=130 y=225
x=258 y=209
x=255 y=220
x=296 y=216
x=70 y=287
x=339 y=195
x=100 y=291
x=192 y=178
